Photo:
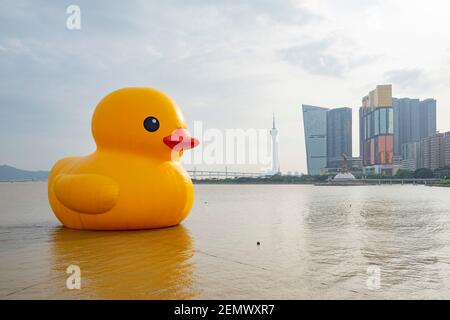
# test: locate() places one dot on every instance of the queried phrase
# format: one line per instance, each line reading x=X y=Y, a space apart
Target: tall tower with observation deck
x=275 y=159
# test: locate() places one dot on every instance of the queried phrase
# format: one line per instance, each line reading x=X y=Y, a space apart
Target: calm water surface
x=316 y=242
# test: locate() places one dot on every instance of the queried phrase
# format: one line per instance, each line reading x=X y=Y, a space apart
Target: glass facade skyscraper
x=339 y=136
x=413 y=120
x=427 y=118
x=377 y=130
x=328 y=135
x=315 y=128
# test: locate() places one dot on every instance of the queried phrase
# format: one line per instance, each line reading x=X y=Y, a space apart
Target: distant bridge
x=210 y=174
x=205 y=174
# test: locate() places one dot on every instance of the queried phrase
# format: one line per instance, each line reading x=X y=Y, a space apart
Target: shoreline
x=318 y=184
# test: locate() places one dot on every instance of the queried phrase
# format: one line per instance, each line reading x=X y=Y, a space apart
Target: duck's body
x=145 y=195
x=121 y=188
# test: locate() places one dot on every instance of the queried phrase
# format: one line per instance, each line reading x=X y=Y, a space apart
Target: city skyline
x=394 y=134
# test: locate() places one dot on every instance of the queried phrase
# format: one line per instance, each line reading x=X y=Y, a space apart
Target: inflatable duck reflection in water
x=134 y=179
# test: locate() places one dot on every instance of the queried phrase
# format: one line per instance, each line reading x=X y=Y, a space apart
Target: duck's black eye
x=151 y=124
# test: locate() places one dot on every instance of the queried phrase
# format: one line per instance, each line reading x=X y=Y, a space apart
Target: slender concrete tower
x=275 y=160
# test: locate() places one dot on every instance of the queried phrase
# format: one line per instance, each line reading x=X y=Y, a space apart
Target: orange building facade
x=377 y=131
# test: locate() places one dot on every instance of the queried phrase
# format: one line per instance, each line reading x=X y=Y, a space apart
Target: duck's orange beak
x=180 y=139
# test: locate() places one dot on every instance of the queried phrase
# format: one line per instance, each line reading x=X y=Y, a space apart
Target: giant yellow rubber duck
x=134 y=179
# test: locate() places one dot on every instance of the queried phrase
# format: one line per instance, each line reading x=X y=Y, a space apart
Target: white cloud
x=408 y=78
x=314 y=58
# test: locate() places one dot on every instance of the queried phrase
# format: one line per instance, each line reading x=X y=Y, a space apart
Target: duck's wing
x=86 y=193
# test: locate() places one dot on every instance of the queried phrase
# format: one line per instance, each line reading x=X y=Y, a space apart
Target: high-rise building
x=433 y=152
x=413 y=121
x=427 y=117
x=447 y=149
x=339 y=136
x=275 y=159
x=315 y=128
x=328 y=135
x=411 y=159
x=377 y=131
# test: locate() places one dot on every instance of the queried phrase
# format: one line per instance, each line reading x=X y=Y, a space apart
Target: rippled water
x=316 y=242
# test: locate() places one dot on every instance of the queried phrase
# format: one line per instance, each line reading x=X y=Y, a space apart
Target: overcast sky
x=227 y=63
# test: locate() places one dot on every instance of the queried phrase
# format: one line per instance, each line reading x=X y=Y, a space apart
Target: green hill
x=8 y=173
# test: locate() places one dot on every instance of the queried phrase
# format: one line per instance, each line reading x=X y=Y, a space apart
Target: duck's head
x=141 y=120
